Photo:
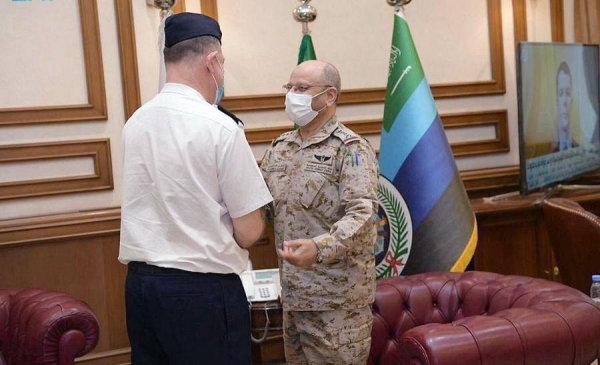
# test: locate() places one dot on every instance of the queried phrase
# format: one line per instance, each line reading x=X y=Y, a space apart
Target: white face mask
x=298 y=107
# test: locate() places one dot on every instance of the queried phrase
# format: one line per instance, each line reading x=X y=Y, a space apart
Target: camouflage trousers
x=336 y=337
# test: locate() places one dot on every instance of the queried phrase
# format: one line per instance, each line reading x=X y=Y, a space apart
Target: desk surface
x=516 y=202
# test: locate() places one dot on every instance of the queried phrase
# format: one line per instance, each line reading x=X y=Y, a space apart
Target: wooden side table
x=271 y=345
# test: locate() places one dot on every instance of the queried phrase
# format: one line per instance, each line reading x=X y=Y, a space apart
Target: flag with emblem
x=426 y=222
x=307 y=51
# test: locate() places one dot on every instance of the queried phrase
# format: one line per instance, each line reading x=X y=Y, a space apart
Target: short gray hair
x=331 y=76
x=191 y=48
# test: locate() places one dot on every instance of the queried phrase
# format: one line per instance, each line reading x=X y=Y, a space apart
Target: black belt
x=144 y=268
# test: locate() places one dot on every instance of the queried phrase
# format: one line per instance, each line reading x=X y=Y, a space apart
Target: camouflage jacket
x=325 y=189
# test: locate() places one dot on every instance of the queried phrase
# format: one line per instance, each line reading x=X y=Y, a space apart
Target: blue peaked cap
x=184 y=26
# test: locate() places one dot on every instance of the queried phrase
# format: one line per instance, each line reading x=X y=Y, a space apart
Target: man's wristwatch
x=319 y=255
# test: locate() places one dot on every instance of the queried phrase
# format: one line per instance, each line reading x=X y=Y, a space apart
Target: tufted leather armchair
x=482 y=318
x=43 y=327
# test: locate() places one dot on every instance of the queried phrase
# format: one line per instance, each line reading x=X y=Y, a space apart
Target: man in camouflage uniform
x=323 y=178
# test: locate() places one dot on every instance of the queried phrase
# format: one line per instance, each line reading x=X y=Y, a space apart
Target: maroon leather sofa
x=482 y=318
x=43 y=327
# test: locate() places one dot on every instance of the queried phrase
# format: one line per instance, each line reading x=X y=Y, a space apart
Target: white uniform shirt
x=188 y=170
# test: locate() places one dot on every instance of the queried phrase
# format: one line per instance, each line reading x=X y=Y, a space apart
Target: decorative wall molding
x=209 y=7
x=62 y=227
x=128 y=57
x=59 y=227
x=481 y=182
x=557 y=23
x=97 y=149
x=276 y=101
x=179 y=7
x=519 y=21
x=128 y=54
x=495 y=118
x=95 y=109
x=497 y=84
x=557 y=16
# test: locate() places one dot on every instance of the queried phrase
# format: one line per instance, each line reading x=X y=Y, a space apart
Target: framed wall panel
x=128 y=57
x=128 y=54
x=95 y=109
x=59 y=227
x=98 y=150
x=179 y=6
x=520 y=20
x=497 y=84
x=209 y=7
x=487 y=182
x=557 y=22
x=498 y=119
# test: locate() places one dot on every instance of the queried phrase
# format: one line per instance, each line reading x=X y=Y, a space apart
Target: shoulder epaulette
x=346 y=135
x=281 y=137
x=237 y=120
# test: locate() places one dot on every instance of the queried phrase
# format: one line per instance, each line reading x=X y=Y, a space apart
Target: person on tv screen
x=564 y=101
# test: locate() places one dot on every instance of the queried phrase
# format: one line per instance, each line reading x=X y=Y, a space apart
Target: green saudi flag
x=307 y=51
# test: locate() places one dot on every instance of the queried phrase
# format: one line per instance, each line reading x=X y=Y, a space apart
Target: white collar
x=182 y=89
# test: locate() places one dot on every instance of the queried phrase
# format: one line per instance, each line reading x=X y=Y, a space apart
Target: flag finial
x=398 y=2
x=305 y=13
x=164 y=5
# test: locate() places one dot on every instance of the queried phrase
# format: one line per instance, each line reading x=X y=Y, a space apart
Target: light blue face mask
x=220 y=90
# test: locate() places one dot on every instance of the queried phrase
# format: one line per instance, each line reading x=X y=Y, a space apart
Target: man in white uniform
x=193 y=200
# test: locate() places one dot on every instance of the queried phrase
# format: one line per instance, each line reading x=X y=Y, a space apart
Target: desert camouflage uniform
x=325 y=189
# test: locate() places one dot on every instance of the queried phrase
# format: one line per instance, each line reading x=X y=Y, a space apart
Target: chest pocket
x=278 y=183
x=278 y=180
x=321 y=193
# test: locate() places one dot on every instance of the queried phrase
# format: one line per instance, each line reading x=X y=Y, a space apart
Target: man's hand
x=301 y=253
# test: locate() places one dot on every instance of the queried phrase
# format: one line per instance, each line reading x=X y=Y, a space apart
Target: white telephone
x=261 y=285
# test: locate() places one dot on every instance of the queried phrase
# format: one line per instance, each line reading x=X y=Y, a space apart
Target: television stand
x=562 y=191
x=513 y=236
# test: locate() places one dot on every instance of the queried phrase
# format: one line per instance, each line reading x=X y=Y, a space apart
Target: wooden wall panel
x=95 y=109
x=77 y=254
x=98 y=150
x=507 y=242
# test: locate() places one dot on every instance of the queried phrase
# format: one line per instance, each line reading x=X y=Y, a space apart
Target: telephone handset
x=261 y=285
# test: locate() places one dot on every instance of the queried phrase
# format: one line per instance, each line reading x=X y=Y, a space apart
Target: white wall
x=42 y=64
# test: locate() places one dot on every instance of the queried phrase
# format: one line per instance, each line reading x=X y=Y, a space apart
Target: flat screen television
x=558 y=102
